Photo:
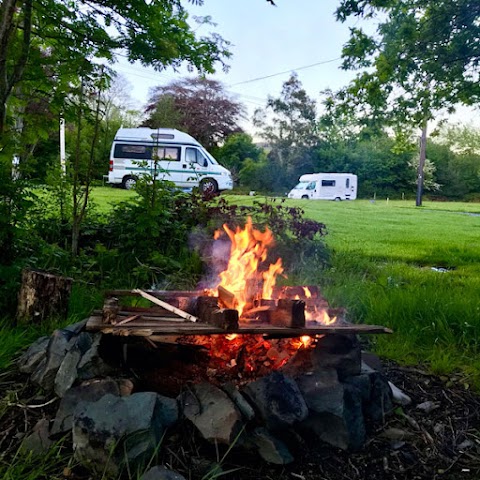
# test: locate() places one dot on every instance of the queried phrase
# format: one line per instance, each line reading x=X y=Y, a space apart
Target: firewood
x=111 y=308
x=289 y=313
x=167 y=306
x=227 y=298
x=209 y=312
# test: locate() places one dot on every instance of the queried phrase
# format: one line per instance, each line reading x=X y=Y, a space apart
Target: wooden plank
x=209 y=312
x=167 y=306
x=289 y=313
x=186 y=328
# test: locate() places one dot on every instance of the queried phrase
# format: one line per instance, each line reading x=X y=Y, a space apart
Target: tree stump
x=42 y=295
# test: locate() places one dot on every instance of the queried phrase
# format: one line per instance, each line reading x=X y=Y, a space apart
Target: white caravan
x=326 y=186
x=167 y=154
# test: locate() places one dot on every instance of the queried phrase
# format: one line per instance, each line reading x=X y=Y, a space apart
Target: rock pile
x=326 y=393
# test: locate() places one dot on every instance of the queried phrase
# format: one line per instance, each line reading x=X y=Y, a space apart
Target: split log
x=111 y=308
x=166 y=306
x=209 y=312
x=289 y=313
x=42 y=296
x=227 y=298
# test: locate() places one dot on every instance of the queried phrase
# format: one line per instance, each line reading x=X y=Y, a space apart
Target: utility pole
x=421 y=164
x=62 y=146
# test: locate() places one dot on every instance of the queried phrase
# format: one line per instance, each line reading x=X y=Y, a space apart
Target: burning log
x=227 y=298
x=289 y=313
x=209 y=312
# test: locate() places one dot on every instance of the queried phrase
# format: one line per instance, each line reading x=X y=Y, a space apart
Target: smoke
x=214 y=254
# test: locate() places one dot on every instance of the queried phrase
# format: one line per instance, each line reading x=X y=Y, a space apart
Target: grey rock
x=76 y=328
x=341 y=352
x=380 y=403
x=116 y=432
x=92 y=364
x=67 y=373
x=38 y=442
x=363 y=383
x=373 y=361
x=239 y=400
x=212 y=412
x=278 y=400
x=89 y=392
x=270 y=448
x=161 y=473
x=322 y=391
x=37 y=351
x=346 y=430
x=427 y=407
x=60 y=343
x=399 y=396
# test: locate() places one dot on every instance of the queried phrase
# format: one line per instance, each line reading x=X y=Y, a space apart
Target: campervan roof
x=163 y=135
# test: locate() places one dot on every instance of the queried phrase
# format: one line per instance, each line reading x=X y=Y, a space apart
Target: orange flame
x=307 y=292
x=249 y=248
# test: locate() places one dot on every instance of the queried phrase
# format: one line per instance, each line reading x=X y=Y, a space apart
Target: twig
x=21 y=405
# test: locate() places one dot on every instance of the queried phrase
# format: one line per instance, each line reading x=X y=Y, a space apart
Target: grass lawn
x=385 y=270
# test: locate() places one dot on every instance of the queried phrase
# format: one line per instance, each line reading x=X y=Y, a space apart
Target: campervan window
x=210 y=158
x=172 y=154
x=328 y=183
x=137 y=152
x=311 y=186
x=194 y=155
x=347 y=183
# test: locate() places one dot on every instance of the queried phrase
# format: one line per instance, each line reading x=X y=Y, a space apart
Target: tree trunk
x=421 y=164
x=43 y=296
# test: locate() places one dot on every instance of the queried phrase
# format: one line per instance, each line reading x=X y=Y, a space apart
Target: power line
x=284 y=72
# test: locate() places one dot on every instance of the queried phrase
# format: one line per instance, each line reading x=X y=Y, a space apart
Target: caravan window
x=170 y=154
x=347 y=183
x=136 y=152
x=328 y=183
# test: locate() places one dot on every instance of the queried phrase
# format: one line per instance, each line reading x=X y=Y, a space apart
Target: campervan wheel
x=129 y=182
x=208 y=186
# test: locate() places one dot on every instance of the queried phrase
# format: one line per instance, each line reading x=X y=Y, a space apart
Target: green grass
x=381 y=271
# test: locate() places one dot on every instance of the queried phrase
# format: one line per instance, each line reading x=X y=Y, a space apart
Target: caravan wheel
x=338 y=199
x=306 y=197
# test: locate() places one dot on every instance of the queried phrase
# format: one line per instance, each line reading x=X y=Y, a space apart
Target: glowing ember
x=249 y=249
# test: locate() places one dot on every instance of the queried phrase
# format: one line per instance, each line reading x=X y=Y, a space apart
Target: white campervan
x=326 y=186
x=169 y=155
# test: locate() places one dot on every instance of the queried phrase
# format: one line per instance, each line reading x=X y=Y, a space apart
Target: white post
x=62 y=145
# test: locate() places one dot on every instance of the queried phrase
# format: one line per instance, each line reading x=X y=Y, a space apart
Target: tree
x=198 y=106
x=74 y=33
x=289 y=126
x=424 y=57
x=238 y=148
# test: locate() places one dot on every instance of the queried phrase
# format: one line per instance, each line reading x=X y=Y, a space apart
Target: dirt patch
x=440 y=443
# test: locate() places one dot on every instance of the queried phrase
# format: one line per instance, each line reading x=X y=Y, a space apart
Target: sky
x=266 y=40
x=296 y=35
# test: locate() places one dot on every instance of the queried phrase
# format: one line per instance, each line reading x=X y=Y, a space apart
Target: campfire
x=246 y=323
